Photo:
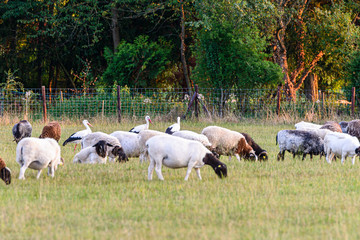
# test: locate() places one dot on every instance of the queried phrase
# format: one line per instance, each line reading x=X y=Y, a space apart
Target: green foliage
x=137 y=64
x=11 y=84
x=353 y=72
x=230 y=52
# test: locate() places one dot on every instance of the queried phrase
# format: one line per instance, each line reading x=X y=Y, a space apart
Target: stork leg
x=75 y=146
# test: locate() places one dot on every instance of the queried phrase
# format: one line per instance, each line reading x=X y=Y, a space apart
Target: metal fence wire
x=66 y=103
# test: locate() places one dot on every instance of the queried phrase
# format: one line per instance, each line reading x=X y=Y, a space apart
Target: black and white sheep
x=5 y=172
x=299 y=142
x=341 y=144
x=129 y=142
x=176 y=152
x=93 y=154
x=92 y=138
x=21 y=130
x=260 y=153
x=229 y=143
x=37 y=154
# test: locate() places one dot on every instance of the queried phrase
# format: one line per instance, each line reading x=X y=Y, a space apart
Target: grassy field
x=293 y=199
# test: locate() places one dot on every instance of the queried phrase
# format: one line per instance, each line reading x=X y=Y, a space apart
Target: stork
x=173 y=128
x=139 y=128
x=76 y=137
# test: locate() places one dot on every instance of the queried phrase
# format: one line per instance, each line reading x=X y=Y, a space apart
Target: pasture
x=293 y=199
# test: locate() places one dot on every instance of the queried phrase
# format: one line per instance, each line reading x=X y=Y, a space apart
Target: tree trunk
x=311 y=87
x=182 y=48
x=115 y=27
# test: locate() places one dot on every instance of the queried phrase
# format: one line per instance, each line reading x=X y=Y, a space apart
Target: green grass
x=293 y=199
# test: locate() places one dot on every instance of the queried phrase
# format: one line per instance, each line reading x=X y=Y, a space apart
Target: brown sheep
x=5 y=173
x=332 y=126
x=261 y=153
x=51 y=130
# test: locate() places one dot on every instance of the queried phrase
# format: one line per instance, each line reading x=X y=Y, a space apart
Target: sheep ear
x=110 y=145
x=8 y=169
x=96 y=145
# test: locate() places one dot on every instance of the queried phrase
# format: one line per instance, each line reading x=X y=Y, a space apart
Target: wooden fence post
x=196 y=101
x=278 y=100
x=44 y=103
x=118 y=104
x=353 y=102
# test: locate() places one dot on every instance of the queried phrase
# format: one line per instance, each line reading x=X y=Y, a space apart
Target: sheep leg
x=151 y=169
x=22 y=172
x=51 y=170
x=303 y=157
x=237 y=157
x=343 y=158
x=190 y=167
x=198 y=173
x=158 y=170
x=38 y=174
x=353 y=159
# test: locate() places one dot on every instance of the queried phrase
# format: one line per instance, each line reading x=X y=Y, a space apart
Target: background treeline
x=179 y=43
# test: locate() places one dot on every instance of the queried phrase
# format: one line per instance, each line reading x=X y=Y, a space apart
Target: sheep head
x=357 y=151
x=263 y=156
x=219 y=167
x=245 y=150
x=5 y=173
x=119 y=151
x=101 y=148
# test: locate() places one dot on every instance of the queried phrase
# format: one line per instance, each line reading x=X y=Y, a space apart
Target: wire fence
x=68 y=103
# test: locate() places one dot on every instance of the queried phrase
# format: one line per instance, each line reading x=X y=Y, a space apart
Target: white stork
x=139 y=128
x=173 y=128
x=76 y=137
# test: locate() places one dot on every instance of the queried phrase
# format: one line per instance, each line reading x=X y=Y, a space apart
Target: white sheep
x=143 y=136
x=227 y=142
x=93 y=154
x=129 y=142
x=175 y=152
x=117 y=150
x=37 y=154
x=321 y=132
x=341 y=144
x=190 y=135
x=306 y=125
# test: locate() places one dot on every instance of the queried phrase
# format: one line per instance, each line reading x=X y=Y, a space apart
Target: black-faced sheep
x=51 y=130
x=21 y=130
x=5 y=173
x=299 y=142
x=93 y=154
x=176 y=152
x=260 y=153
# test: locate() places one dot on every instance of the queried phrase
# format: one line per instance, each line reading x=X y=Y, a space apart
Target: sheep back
x=21 y=130
x=353 y=128
x=190 y=135
x=332 y=126
x=51 y=130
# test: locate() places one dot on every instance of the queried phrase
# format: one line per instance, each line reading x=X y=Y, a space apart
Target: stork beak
x=89 y=124
x=150 y=120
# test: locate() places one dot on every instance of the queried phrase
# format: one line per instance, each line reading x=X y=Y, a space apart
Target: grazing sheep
x=306 y=126
x=260 y=153
x=21 y=130
x=5 y=172
x=227 y=142
x=344 y=126
x=353 y=128
x=190 y=135
x=175 y=152
x=37 y=154
x=332 y=126
x=142 y=127
x=76 y=137
x=92 y=138
x=173 y=128
x=320 y=132
x=129 y=142
x=51 y=130
x=341 y=144
x=299 y=142
x=93 y=154
x=143 y=137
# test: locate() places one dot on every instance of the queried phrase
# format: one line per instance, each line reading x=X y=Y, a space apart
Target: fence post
x=196 y=101
x=118 y=104
x=44 y=103
x=353 y=102
x=278 y=100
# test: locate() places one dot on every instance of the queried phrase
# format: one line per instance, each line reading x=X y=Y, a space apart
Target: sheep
x=143 y=136
x=5 y=172
x=320 y=132
x=92 y=138
x=190 y=135
x=299 y=141
x=260 y=153
x=306 y=125
x=227 y=142
x=176 y=152
x=93 y=154
x=333 y=126
x=21 y=130
x=129 y=142
x=344 y=126
x=341 y=144
x=51 y=130
x=37 y=154
x=353 y=128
